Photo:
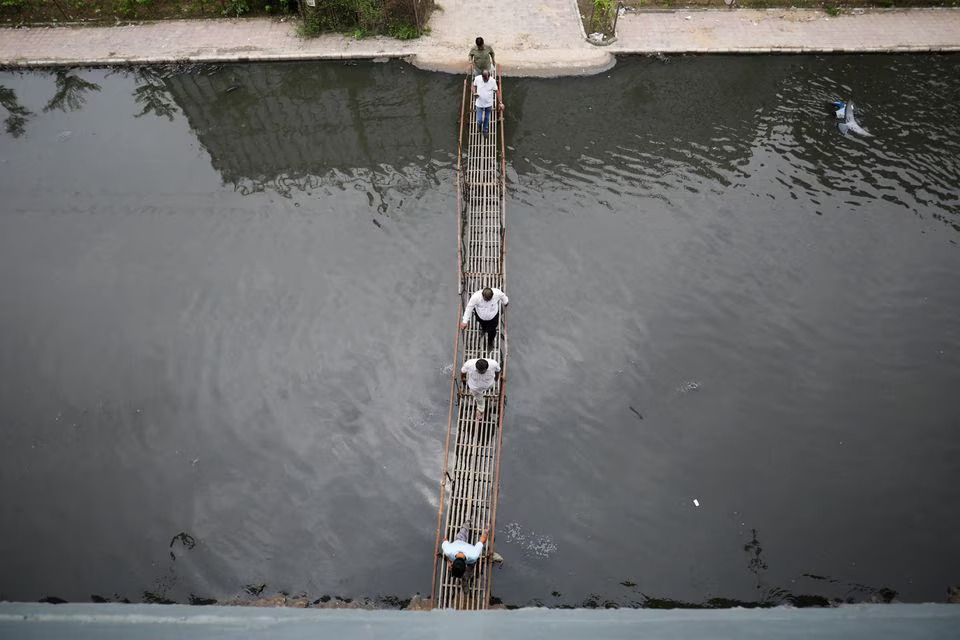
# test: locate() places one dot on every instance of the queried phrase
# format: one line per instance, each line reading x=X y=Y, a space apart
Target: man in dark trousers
x=485 y=305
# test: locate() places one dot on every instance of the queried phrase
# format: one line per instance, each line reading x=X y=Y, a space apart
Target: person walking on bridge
x=484 y=88
x=480 y=375
x=481 y=58
x=460 y=554
x=485 y=305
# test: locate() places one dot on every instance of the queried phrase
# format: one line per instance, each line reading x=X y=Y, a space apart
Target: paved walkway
x=788 y=31
x=536 y=37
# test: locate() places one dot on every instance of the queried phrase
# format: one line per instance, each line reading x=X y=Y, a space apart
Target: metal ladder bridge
x=471 y=469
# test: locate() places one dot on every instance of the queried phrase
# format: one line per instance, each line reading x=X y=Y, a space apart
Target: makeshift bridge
x=471 y=467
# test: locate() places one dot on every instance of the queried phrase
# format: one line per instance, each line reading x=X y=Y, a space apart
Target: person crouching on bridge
x=460 y=554
x=484 y=87
x=485 y=305
x=480 y=375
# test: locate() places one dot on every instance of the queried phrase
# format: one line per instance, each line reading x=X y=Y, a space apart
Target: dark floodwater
x=227 y=310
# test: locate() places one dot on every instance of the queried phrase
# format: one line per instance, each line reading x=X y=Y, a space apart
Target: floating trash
x=540 y=546
x=687 y=387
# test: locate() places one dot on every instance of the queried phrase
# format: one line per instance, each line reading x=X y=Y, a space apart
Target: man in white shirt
x=480 y=375
x=460 y=554
x=484 y=88
x=485 y=305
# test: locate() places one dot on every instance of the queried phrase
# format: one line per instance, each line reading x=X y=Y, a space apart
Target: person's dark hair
x=482 y=365
x=487 y=292
x=459 y=568
x=479 y=42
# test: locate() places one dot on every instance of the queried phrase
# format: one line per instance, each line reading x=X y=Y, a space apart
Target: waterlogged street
x=227 y=322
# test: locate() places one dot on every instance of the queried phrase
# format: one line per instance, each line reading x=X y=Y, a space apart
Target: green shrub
x=361 y=18
x=235 y=8
x=402 y=31
x=369 y=15
x=332 y=15
x=126 y=8
x=603 y=14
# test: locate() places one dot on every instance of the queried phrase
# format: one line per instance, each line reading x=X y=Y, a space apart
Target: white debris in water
x=688 y=386
x=696 y=502
x=540 y=546
x=64 y=135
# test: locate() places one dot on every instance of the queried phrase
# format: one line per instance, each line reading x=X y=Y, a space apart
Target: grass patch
x=401 y=19
x=402 y=31
x=110 y=11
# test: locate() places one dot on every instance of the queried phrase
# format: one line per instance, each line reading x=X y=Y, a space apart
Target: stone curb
x=428 y=65
x=789 y=50
x=251 y=43
x=199 y=59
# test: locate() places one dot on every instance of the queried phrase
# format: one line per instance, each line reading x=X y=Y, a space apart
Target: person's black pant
x=489 y=327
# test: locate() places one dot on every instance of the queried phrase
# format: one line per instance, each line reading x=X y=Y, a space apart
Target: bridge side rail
x=470 y=493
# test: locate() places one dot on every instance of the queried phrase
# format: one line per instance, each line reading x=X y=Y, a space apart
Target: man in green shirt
x=481 y=57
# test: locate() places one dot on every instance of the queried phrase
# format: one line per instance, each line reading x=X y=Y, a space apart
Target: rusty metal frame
x=493 y=267
x=506 y=342
x=456 y=346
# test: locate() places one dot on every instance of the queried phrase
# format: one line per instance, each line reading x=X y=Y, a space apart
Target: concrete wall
x=149 y=622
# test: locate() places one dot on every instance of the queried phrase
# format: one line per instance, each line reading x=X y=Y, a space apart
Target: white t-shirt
x=471 y=552
x=486 y=309
x=480 y=381
x=485 y=91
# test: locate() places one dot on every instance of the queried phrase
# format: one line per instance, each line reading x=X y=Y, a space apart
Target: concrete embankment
x=180 y=622
x=545 y=38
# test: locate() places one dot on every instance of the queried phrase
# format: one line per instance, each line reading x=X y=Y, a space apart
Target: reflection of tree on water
x=385 y=188
x=757 y=565
x=284 y=126
x=17 y=118
x=70 y=92
x=836 y=591
x=153 y=95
